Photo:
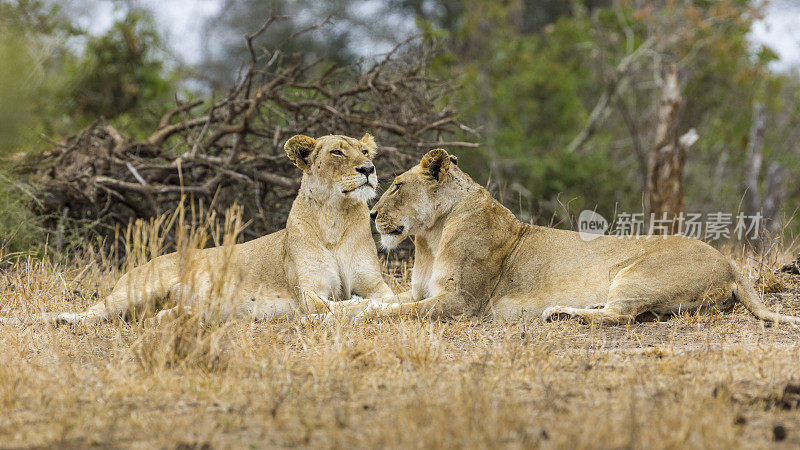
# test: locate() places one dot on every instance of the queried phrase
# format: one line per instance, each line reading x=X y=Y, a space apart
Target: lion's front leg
x=346 y=309
x=442 y=306
x=313 y=303
x=607 y=315
x=403 y=297
x=368 y=283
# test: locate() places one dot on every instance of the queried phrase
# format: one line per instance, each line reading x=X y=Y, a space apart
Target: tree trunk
x=774 y=196
x=755 y=144
x=770 y=203
x=665 y=178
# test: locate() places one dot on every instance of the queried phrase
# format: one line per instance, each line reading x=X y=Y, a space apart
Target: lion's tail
x=33 y=319
x=747 y=295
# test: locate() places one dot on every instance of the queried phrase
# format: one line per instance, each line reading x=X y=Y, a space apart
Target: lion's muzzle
x=388 y=227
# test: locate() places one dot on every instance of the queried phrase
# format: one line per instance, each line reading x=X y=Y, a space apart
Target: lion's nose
x=373 y=215
x=367 y=169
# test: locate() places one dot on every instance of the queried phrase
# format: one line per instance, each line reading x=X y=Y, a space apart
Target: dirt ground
x=711 y=381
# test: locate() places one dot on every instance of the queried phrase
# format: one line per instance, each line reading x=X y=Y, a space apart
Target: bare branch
x=230 y=149
x=182 y=107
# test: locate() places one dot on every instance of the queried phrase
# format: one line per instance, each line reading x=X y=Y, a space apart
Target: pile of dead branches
x=231 y=149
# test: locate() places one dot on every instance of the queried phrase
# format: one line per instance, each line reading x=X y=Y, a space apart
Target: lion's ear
x=299 y=148
x=435 y=164
x=369 y=144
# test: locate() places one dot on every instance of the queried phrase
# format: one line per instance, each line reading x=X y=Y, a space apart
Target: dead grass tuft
x=184 y=342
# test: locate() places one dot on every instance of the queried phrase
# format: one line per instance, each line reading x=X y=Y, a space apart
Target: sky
x=780 y=30
x=181 y=22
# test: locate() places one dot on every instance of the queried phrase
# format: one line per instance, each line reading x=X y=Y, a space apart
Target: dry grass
x=695 y=381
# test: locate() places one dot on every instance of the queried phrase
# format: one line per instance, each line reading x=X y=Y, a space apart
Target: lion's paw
x=374 y=308
x=555 y=313
x=67 y=319
x=86 y=317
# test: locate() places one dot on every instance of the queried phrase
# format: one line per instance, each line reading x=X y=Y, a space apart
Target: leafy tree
x=527 y=92
x=48 y=88
x=120 y=73
x=31 y=47
x=533 y=88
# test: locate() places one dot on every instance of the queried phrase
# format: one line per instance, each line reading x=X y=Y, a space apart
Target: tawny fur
x=473 y=257
x=326 y=252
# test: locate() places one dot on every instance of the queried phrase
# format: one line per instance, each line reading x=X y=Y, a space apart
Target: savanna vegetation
x=557 y=106
x=697 y=381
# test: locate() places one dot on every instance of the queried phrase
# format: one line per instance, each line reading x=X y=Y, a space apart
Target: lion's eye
x=365 y=151
x=337 y=152
x=396 y=187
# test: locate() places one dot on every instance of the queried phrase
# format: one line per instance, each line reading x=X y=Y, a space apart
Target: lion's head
x=415 y=200
x=336 y=164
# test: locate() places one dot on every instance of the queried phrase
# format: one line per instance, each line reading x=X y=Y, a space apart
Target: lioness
x=326 y=250
x=473 y=257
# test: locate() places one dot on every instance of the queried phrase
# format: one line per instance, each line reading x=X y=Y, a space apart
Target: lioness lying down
x=325 y=252
x=473 y=257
